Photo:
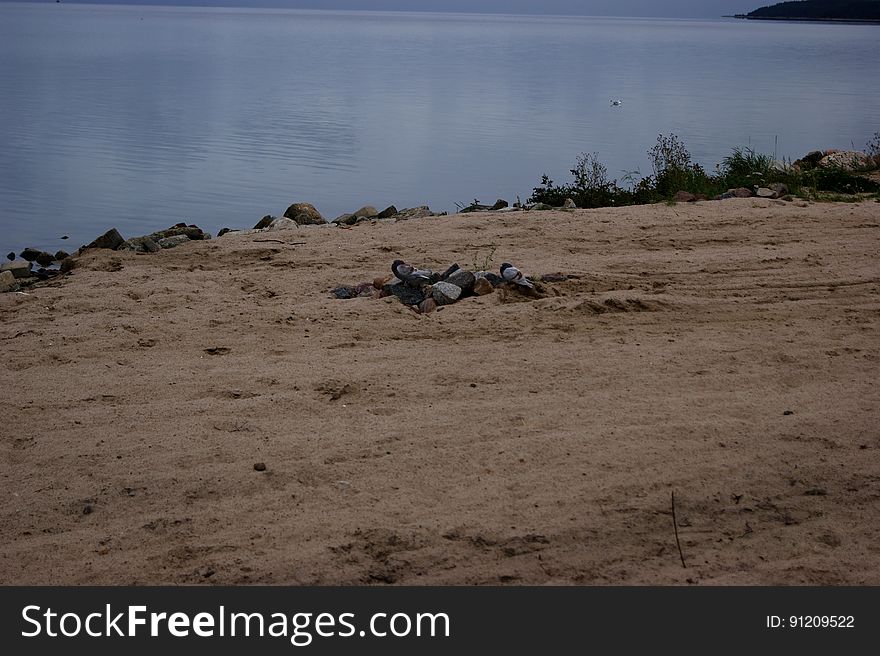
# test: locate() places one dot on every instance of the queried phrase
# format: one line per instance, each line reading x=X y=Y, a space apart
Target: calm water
x=139 y=117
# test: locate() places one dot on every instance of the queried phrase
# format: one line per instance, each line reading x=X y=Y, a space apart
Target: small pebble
x=88 y=509
x=788 y=412
x=260 y=466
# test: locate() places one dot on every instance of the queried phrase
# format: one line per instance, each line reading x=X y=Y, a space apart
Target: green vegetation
x=675 y=171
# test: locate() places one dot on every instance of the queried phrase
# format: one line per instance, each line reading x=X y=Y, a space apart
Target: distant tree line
x=821 y=9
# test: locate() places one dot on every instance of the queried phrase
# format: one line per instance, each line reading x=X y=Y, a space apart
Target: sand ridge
x=727 y=351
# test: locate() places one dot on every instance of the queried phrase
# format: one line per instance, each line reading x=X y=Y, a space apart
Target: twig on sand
x=280 y=241
x=675 y=526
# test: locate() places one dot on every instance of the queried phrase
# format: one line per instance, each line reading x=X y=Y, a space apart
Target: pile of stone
x=18 y=273
x=847 y=160
x=424 y=290
x=774 y=190
x=502 y=205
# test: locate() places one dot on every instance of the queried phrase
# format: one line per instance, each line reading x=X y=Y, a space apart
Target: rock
x=173 y=241
x=10 y=256
x=810 y=160
x=445 y=293
x=684 y=197
x=406 y=294
x=7 y=281
x=344 y=293
x=265 y=222
x=190 y=231
x=381 y=281
x=225 y=231
x=283 y=224
x=493 y=278
x=414 y=213
x=68 y=264
x=452 y=269
x=847 y=160
x=19 y=268
x=740 y=192
x=787 y=198
x=553 y=277
x=29 y=254
x=61 y=255
x=345 y=219
x=110 y=239
x=482 y=287
x=45 y=259
x=569 y=204
x=541 y=207
x=387 y=213
x=141 y=245
x=427 y=306
x=500 y=204
x=778 y=188
x=366 y=212
x=304 y=214
x=462 y=279
x=763 y=192
x=260 y=466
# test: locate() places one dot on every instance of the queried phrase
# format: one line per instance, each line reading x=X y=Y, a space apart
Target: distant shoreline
x=796 y=19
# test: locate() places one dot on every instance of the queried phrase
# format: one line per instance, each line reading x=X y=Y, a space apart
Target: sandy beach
x=727 y=351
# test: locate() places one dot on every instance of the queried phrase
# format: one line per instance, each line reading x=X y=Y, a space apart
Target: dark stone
x=407 y=295
x=344 y=293
x=110 y=239
x=88 y=509
x=449 y=271
x=366 y=212
x=499 y=204
x=387 y=213
x=61 y=255
x=10 y=257
x=553 y=277
x=265 y=222
x=493 y=278
x=29 y=254
x=65 y=237
x=788 y=412
x=141 y=245
x=19 y=268
x=191 y=231
x=463 y=279
x=345 y=219
x=45 y=259
x=259 y=466
x=304 y=214
x=223 y=231
x=810 y=160
x=68 y=264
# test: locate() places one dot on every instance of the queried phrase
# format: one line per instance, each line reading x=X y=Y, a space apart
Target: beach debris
x=513 y=275
x=304 y=214
x=412 y=276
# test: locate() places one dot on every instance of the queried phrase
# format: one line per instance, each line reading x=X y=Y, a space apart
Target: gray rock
x=407 y=295
x=61 y=255
x=779 y=188
x=345 y=219
x=191 y=231
x=414 y=213
x=541 y=207
x=173 y=241
x=763 y=192
x=388 y=212
x=740 y=192
x=445 y=293
x=7 y=281
x=493 y=278
x=304 y=214
x=366 y=212
x=141 y=245
x=110 y=239
x=569 y=204
x=19 y=268
x=847 y=160
x=500 y=204
x=462 y=279
x=265 y=222
x=283 y=224
x=67 y=264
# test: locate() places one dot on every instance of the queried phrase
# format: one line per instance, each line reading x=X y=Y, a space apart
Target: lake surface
x=140 y=117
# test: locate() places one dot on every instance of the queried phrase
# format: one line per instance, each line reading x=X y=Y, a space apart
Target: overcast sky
x=670 y=8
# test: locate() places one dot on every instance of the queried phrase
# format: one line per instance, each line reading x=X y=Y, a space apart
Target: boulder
x=283 y=224
x=45 y=259
x=387 y=213
x=110 y=239
x=7 y=281
x=61 y=255
x=541 y=207
x=445 y=293
x=810 y=160
x=345 y=219
x=265 y=222
x=778 y=188
x=366 y=212
x=225 y=231
x=763 y=192
x=10 y=256
x=569 y=204
x=414 y=213
x=29 y=254
x=190 y=231
x=67 y=264
x=500 y=204
x=407 y=295
x=482 y=287
x=465 y=280
x=141 y=245
x=740 y=192
x=304 y=214
x=847 y=160
x=19 y=268
x=173 y=241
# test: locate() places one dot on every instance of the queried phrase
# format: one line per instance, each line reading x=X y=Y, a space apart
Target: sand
x=726 y=351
